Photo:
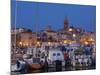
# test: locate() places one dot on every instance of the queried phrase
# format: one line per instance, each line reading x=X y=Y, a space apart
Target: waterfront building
x=21 y=37
x=88 y=38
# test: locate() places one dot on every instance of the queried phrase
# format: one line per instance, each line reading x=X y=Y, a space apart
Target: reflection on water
x=70 y=68
x=67 y=69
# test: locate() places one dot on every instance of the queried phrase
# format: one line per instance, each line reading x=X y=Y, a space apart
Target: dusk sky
x=30 y=14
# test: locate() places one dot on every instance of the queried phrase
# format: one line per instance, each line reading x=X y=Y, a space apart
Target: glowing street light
x=86 y=43
x=49 y=43
x=70 y=29
x=38 y=43
x=91 y=39
x=65 y=41
x=20 y=43
x=74 y=35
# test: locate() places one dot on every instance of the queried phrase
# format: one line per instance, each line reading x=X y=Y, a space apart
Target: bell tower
x=66 y=24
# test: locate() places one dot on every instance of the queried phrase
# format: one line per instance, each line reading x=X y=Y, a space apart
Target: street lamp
x=74 y=35
x=91 y=39
x=38 y=43
x=86 y=43
x=20 y=43
x=49 y=43
x=70 y=29
x=65 y=41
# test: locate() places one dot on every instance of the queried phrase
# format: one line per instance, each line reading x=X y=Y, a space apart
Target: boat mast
x=37 y=25
x=15 y=23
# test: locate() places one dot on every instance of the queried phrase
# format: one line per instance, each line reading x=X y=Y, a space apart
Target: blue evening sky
x=30 y=14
